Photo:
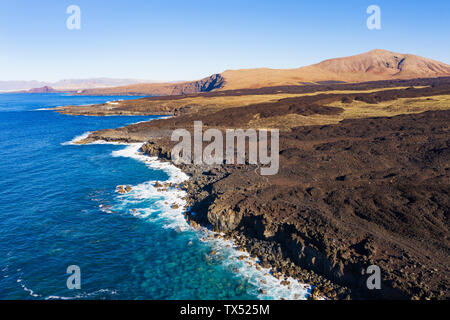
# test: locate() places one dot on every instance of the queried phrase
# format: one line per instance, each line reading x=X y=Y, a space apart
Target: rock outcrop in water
x=44 y=89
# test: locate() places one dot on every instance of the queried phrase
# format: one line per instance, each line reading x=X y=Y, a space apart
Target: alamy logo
x=213 y=154
x=74 y=280
x=374 y=20
x=374 y=281
x=73 y=22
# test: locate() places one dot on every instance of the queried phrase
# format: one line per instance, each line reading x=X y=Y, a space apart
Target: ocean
x=59 y=206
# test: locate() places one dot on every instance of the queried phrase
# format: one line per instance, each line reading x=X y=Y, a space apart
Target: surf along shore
x=363 y=180
x=261 y=282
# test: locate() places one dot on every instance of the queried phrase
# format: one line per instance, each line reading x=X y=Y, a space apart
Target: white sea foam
x=176 y=175
x=84 y=295
x=77 y=139
x=83 y=136
x=30 y=292
x=266 y=285
x=168 y=201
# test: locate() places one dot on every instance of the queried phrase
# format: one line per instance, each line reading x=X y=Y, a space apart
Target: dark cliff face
x=208 y=84
x=216 y=81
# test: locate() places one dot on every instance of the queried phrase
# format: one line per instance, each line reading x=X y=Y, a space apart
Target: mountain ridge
x=374 y=65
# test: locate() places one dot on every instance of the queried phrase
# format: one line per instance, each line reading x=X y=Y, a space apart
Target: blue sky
x=190 y=39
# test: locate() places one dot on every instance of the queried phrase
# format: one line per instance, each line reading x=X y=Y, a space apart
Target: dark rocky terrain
x=348 y=195
x=174 y=104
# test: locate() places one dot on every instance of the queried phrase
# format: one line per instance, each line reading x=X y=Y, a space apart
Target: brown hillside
x=370 y=66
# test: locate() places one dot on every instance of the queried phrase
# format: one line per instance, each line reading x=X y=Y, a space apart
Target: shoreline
x=266 y=278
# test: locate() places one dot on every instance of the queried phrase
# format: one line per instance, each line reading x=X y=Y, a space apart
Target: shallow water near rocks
x=59 y=207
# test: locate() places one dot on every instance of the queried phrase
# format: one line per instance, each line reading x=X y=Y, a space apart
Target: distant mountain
x=45 y=89
x=80 y=84
x=370 y=66
x=20 y=85
x=68 y=84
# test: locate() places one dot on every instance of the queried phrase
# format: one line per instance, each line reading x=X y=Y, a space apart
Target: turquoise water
x=59 y=207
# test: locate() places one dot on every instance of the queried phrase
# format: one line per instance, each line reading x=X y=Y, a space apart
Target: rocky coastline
x=350 y=193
